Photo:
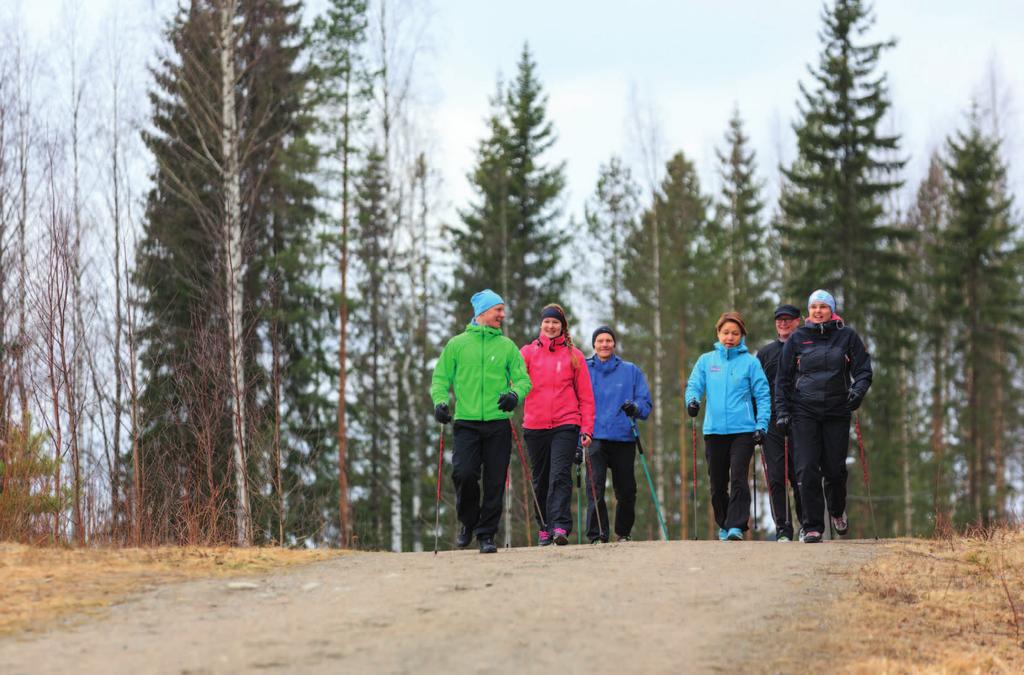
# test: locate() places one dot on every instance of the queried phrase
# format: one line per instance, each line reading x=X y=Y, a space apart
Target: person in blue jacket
x=620 y=394
x=733 y=381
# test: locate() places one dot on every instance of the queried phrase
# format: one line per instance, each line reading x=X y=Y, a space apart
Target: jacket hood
x=475 y=327
x=835 y=322
x=605 y=366
x=732 y=352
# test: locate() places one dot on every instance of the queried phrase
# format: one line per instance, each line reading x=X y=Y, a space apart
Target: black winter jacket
x=769 y=355
x=819 y=366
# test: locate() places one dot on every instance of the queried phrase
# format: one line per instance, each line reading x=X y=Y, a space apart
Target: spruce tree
x=612 y=217
x=980 y=264
x=741 y=241
x=837 y=234
x=186 y=406
x=510 y=240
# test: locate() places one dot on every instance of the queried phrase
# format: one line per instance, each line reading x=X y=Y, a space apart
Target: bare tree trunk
x=275 y=346
x=684 y=511
x=659 y=439
x=233 y=274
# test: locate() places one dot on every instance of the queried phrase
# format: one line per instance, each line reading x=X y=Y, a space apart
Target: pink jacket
x=561 y=392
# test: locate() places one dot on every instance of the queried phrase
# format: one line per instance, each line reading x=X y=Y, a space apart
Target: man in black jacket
x=778 y=448
x=824 y=373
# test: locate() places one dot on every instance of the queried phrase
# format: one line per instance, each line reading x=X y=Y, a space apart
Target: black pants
x=551 y=452
x=820 y=449
x=480 y=448
x=775 y=457
x=728 y=457
x=618 y=456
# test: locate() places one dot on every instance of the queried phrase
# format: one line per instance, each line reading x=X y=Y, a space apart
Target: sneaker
x=487 y=545
x=723 y=534
x=783 y=538
x=840 y=524
x=803 y=535
x=624 y=537
x=464 y=536
x=812 y=537
x=544 y=538
x=561 y=536
x=734 y=534
x=598 y=540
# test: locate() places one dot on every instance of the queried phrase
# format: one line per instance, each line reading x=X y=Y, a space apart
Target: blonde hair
x=565 y=331
x=731 y=317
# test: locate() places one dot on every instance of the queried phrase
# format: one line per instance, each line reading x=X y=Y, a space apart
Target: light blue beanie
x=484 y=300
x=822 y=296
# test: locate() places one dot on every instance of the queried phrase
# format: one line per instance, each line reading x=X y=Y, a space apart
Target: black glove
x=630 y=409
x=578 y=457
x=442 y=414
x=758 y=437
x=853 y=400
x=692 y=408
x=782 y=424
x=508 y=401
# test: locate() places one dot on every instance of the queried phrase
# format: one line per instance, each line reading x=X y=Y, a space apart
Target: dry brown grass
x=40 y=585
x=953 y=605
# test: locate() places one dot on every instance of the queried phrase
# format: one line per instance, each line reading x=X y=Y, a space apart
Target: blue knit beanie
x=822 y=296
x=484 y=300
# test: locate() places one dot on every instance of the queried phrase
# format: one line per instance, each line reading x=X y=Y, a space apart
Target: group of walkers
x=795 y=399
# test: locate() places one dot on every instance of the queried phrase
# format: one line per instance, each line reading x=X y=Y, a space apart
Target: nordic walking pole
x=527 y=474
x=785 y=471
x=579 y=502
x=437 y=499
x=867 y=476
x=755 y=491
x=593 y=491
x=693 y=429
x=650 y=483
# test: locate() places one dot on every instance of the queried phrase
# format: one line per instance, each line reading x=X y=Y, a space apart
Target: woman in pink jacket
x=558 y=415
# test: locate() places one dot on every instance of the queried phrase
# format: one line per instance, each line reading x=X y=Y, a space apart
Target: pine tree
x=510 y=239
x=343 y=90
x=741 y=237
x=679 y=297
x=612 y=217
x=980 y=263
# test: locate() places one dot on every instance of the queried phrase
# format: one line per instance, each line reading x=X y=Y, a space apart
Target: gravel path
x=633 y=607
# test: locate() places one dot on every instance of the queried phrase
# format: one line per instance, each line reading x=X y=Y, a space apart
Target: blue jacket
x=616 y=381
x=732 y=379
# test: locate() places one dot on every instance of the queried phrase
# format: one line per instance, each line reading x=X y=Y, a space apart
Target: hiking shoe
x=840 y=524
x=544 y=538
x=624 y=537
x=487 y=545
x=812 y=537
x=734 y=534
x=803 y=534
x=464 y=536
x=723 y=534
x=783 y=538
x=561 y=536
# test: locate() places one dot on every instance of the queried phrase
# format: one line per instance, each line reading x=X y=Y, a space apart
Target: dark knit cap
x=602 y=329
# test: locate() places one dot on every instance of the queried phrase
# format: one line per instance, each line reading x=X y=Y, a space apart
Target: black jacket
x=769 y=358
x=820 y=364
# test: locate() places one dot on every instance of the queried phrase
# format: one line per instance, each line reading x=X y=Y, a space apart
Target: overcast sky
x=691 y=62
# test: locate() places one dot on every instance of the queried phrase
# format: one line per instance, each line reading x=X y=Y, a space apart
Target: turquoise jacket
x=733 y=381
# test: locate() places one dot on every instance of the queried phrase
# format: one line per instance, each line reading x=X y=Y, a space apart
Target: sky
x=688 y=64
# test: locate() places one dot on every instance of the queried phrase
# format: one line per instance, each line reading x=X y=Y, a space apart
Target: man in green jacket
x=488 y=376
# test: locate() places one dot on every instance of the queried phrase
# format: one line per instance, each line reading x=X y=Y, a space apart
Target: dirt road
x=633 y=607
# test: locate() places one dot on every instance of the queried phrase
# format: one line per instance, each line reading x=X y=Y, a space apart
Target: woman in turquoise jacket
x=735 y=420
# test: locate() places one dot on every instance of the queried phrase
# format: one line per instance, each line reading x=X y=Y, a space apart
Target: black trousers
x=551 y=452
x=728 y=457
x=820 y=449
x=775 y=457
x=482 y=449
x=619 y=456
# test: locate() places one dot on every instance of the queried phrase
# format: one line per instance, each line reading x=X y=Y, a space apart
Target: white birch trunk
x=232 y=233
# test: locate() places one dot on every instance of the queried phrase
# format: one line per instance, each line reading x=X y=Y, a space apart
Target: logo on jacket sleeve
x=715 y=369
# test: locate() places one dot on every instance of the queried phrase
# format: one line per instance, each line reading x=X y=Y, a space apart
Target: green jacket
x=481 y=364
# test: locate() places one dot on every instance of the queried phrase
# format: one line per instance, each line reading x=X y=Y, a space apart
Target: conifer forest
x=226 y=275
